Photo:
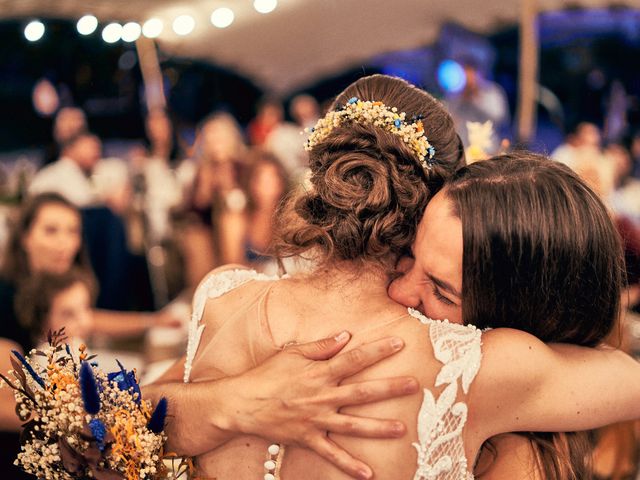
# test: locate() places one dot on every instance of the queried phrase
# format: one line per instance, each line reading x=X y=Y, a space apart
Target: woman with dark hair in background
x=246 y=235
x=219 y=155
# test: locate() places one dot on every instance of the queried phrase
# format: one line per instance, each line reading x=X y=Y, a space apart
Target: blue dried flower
x=352 y=100
x=126 y=381
x=431 y=151
x=29 y=368
x=398 y=123
x=99 y=432
x=156 y=422
x=89 y=389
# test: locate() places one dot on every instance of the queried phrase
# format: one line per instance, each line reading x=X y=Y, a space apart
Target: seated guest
x=70 y=174
x=47 y=237
x=49 y=302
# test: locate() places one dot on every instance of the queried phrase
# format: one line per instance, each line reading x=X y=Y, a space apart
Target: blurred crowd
x=112 y=248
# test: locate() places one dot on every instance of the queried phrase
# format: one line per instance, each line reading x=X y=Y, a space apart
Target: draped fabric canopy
x=301 y=40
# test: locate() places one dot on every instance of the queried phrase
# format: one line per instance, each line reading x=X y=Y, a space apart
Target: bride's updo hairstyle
x=368 y=188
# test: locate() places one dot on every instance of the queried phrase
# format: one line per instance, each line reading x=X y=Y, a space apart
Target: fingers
x=373 y=391
x=353 y=361
x=362 y=427
x=340 y=458
x=323 y=349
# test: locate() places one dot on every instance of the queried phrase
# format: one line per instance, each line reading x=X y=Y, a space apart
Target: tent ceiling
x=302 y=40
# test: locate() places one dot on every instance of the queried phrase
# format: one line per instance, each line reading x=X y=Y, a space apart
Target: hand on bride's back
x=301 y=396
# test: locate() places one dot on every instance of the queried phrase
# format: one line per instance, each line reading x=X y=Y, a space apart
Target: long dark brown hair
x=15 y=267
x=368 y=190
x=540 y=254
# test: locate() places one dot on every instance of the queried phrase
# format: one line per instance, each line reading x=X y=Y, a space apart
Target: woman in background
x=247 y=235
x=219 y=156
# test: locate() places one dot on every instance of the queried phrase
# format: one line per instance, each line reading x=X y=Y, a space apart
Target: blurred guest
x=269 y=115
x=285 y=140
x=51 y=301
x=157 y=192
x=634 y=149
x=68 y=122
x=247 y=234
x=47 y=238
x=156 y=187
x=582 y=141
x=219 y=156
x=161 y=136
x=480 y=100
x=304 y=109
x=70 y=175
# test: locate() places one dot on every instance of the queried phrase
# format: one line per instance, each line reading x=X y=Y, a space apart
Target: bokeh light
x=184 y=25
x=87 y=25
x=131 y=31
x=112 y=33
x=265 y=6
x=152 y=28
x=222 y=17
x=451 y=76
x=34 y=31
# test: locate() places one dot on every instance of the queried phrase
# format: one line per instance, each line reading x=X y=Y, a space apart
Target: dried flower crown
x=367 y=112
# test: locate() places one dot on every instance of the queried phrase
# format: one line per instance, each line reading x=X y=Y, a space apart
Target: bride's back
x=246 y=325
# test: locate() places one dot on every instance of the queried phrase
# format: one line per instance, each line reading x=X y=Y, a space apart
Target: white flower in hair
x=480 y=140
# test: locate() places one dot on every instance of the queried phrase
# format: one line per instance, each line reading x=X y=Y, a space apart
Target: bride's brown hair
x=367 y=188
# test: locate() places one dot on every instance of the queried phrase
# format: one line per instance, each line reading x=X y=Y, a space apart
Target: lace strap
x=457 y=347
x=215 y=285
x=441 y=420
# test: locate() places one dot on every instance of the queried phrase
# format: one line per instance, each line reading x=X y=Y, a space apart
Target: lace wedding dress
x=441 y=419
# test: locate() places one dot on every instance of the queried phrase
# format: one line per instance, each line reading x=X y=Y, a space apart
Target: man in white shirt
x=70 y=175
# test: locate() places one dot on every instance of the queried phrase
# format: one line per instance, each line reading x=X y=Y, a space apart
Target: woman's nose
x=402 y=290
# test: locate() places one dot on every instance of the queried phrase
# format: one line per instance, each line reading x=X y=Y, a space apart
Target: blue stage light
x=451 y=76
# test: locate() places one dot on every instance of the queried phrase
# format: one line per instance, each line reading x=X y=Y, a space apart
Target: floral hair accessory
x=367 y=112
x=84 y=423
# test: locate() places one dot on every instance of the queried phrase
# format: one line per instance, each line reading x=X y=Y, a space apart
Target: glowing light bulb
x=222 y=17
x=87 y=25
x=265 y=6
x=184 y=25
x=34 y=31
x=152 y=28
x=112 y=33
x=131 y=31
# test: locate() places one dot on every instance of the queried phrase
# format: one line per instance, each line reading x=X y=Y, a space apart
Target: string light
x=265 y=6
x=112 y=33
x=152 y=28
x=34 y=31
x=184 y=25
x=131 y=32
x=222 y=17
x=87 y=25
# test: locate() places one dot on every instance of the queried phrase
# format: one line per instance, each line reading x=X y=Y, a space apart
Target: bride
x=372 y=173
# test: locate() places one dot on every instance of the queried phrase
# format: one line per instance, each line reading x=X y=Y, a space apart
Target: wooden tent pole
x=151 y=73
x=528 y=75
